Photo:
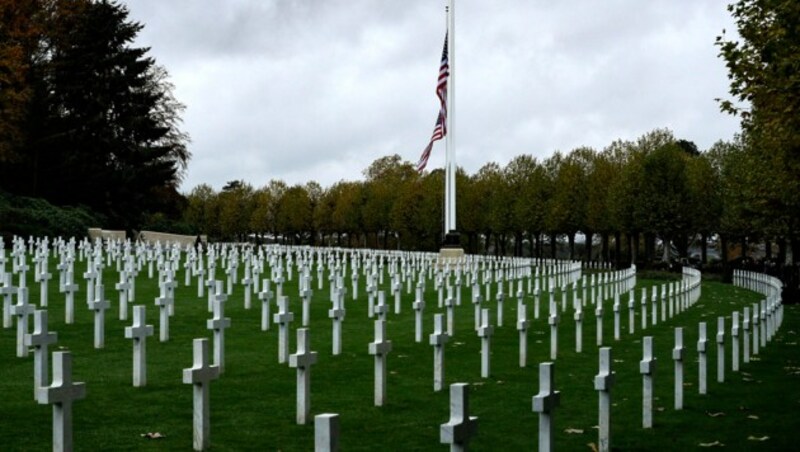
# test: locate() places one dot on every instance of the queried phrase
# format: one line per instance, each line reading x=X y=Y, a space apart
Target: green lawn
x=253 y=403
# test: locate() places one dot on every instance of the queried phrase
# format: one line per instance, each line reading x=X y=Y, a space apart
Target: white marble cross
x=702 y=364
x=419 y=307
x=615 y=307
x=336 y=314
x=545 y=403
x=721 y=349
x=70 y=288
x=40 y=339
x=199 y=376
x=485 y=332
x=438 y=339
x=22 y=310
x=461 y=427
x=603 y=382
x=247 y=282
x=44 y=277
x=163 y=302
x=122 y=286
x=599 y=316
x=500 y=298
x=397 y=290
x=647 y=367
x=578 y=329
x=7 y=291
x=522 y=327
x=61 y=394
x=303 y=359
x=450 y=306
x=381 y=309
x=218 y=324
x=755 y=326
x=553 y=321
x=326 y=432
x=283 y=318
x=631 y=312
x=746 y=336
x=305 y=296
x=677 y=356
x=265 y=296
x=477 y=299
x=138 y=332
x=380 y=348
x=735 y=342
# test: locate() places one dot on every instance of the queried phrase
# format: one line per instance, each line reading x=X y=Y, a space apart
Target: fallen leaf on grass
x=755 y=438
x=619 y=360
x=573 y=430
x=752 y=416
x=743 y=408
x=592 y=446
x=714 y=444
x=715 y=414
x=688 y=384
x=661 y=408
x=153 y=435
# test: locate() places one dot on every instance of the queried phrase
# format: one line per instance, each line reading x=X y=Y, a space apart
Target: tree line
x=86 y=118
x=627 y=197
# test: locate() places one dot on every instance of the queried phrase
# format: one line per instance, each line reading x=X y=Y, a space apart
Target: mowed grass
x=253 y=403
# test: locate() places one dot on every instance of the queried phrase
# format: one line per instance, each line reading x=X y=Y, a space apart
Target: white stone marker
x=485 y=332
x=44 y=276
x=644 y=309
x=305 y=296
x=61 y=394
x=283 y=318
x=477 y=299
x=303 y=359
x=746 y=337
x=397 y=290
x=755 y=325
x=763 y=328
x=603 y=382
x=553 y=321
x=677 y=356
x=199 y=376
x=438 y=339
x=545 y=404
x=647 y=367
x=7 y=292
x=22 y=310
x=40 y=339
x=326 y=432
x=615 y=307
x=99 y=306
x=419 y=307
x=578 y=329
x=450 y=306
x=735 y=342
x=631 y=313
x=461 y=427
x=163 y=303
x=218 y=324
x=522 y=327
x=247 y=282
x=702 y=363
x=336 y=314
x=265 y=296
x=123 y=286
x=721 y=349
x=599 y=316
x=139 y=332
x=381 y=309
x=500 y=298
x=380 y=348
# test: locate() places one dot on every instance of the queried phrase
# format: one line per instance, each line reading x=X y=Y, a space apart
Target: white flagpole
x=450 y=154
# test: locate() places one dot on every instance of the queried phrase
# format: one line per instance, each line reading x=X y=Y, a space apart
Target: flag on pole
x=439 y=130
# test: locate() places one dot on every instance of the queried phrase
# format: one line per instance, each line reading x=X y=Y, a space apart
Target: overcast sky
x=305 y=90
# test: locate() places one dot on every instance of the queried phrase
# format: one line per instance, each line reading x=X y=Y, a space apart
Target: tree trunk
x=617 y=249
x=744 y=247
x=552 y=245
x=795 y=244
x=589 y=236
x=781 y=251
x=704 y=248
x=768 y=249
x=604 y=246
x=635 y=249
x=571 y=238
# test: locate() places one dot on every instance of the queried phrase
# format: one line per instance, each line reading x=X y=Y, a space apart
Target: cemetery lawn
x=253 y=402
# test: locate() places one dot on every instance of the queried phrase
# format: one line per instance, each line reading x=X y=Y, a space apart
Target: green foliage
x=24 y=217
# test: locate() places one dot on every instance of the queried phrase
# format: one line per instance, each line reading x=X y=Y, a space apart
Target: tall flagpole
x=450 y=154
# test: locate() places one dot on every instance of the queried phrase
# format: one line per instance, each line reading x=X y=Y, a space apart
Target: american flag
x=440 y=129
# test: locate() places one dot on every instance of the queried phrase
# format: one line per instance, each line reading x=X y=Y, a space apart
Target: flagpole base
x=451 y=251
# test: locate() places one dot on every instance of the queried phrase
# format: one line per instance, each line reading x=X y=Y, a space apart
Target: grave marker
x=139 y=332
x=40 y=339
x=461 y=427
x=702 y=343
x=326 y=432
x=218 y=324
x=485 y=332
x=61 y=394
x=603 y=382
x=380 y=348
x=647 y=367
x=677 y=356
x=545 y=404
x=303 y=359
x=438 y=339
x=199 y=376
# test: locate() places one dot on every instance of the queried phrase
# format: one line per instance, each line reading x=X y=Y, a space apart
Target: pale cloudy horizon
x=304 y=90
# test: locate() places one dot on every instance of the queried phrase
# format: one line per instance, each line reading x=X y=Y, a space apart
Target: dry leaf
x=752 y=416
x=152 y=435
x=715 y=414
x=573 y=430
x=661 y=408
x=754 y=438
x=593 y=446
x=714 y=444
